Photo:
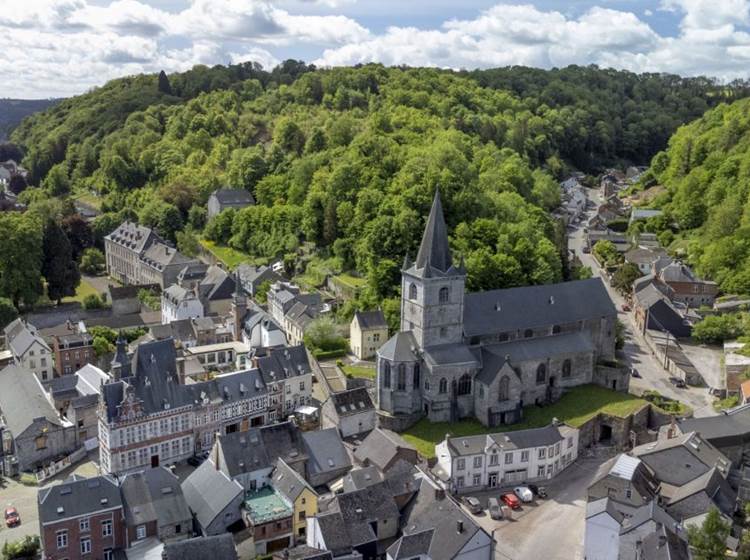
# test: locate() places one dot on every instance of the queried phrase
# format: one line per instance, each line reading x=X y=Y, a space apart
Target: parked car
x=494 y=508
x=539 y=491
x=473 y=505
x=12 y=519
x=677 y=382
x=586 y=249
x=511 y=500
x=634 y=372
x=524 y=494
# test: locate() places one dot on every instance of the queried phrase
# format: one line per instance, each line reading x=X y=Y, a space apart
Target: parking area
x=551 y=529
x=24 y=499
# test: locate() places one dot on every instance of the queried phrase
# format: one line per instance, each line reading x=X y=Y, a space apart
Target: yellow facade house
x=304 y=500
x=367 y=332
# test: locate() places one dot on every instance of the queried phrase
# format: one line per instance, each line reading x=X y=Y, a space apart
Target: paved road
x=551 y=529
x=637 y=352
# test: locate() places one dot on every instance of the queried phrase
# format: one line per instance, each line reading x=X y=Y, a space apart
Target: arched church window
x=426 y=384
x=566 y=368
x=412 y=291
x=443 y=387
x=541 y=373
x=401 y=386
x=503 y=389
x=443 y=295
x=464 y=384
x=386 y=375
x=415 y=376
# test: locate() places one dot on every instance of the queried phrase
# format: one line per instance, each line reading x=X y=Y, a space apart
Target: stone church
x=487 y=355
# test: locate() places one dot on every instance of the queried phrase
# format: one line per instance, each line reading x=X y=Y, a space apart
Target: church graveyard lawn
x=575 y=407
x=359 y=371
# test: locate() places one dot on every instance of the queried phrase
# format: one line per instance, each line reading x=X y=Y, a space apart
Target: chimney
x=459 y=526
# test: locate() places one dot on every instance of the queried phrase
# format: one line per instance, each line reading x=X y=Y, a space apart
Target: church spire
x=434 y=250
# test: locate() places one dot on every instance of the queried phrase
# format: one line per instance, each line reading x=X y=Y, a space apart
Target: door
x=492 y=480
x=154 y=461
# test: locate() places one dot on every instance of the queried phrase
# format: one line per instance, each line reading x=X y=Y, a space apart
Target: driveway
x=636 y=352
x=552 y=529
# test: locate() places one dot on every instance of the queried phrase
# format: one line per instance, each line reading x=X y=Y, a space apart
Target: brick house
x=81 y=519
x=72 y=352
x=686 y=287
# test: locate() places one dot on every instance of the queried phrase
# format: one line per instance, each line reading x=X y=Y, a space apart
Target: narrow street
x=636 y=352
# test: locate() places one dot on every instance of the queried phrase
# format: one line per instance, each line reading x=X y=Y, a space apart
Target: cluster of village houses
x=226 y=385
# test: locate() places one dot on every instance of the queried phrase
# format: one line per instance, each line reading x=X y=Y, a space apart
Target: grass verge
x=359 y=371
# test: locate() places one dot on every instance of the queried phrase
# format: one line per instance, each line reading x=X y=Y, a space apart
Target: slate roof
x=380 y=447
x=160 y=255
x=133 y=236
x=508 y=441
x=428 y=511
x=154 y=495
x=649 y=512
x=450 y=354
x=734 y=423
x=325 y=451
x=632 y=469
x=288 y=482
x=659 y=457
x=22 y=400
x=77 y=496
x=20 y=335
x=208 y=491
x=409 y=546
x=639 y=255
x=335 y=532
x=304 y=552
x=663 y=545
x=357 y=479
x=362 y=507
x=233 y=197
x=176 y=294
x=217 y=284
x=352 y=401
x=677 y=272
x=512 y=309
x=284 y=363
x=714 y=487
x=400 y=347
x=259 y=448
x=371 y=319
x=644 y=213
x=603 y=505
x=434 y=251
x=155 y=382
x=219 y=547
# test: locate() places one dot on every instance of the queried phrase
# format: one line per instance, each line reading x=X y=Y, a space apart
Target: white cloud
x=701 y=14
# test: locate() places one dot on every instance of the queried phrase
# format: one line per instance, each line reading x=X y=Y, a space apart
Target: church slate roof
x=450 y=354
x=399 y=348
x=434 y=250
x=371 y=319
x=511 y=309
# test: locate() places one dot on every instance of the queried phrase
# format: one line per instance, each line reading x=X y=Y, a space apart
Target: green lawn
x=351 y=281
x=84 y=289
x=89 y=198
x=575 y=408
x=230 y=257
x=365 y=372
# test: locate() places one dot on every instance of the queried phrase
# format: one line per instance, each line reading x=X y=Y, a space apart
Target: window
x=386 y=375
x=86 y=546
x=426 y=384
x=557 y=448
x=41 y=442
x=108 y=554
x=508 y=458
x=415 y=376
x=477 y=462
x=494 y=460
x=443 y=295
x=301 y=385
x=178 y=528
x=556 y=329
x=443 y=332
x=460 y=482
x=540 y=471
x=524 y=456
x=107 y=528
x=140 y=532
x=464 y=384
x=443 y=387
x=541 y=374
x=566 y=368
x=460 y=464
x=542 y=452
x=412 y=291
x=401 y=384
x=476 y=480
x=83 y=525
x=628 y=493
x=62 y=538
x=528 y=333
x=503 y=388
x=301 y=516
x=551 y=452
x=570 y=442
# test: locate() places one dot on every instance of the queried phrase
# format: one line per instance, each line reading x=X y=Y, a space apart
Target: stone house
x=33 y=433
x=155 y=506
x=178 y=303
x=654 y=311
x=223 y=199
x=269 y=517
x=252 y=277
x=485 y=355
x=214 y=498
x=82 y=518
x=644 y=258
x=493 y=460
x=76 y=398
x=367 y=332
x=29 y=349
x=383 y=448
x=686 y=287
x=627 y=482
x=351 y=412
x=292 y=485
x=219 y=547
x=288 y=375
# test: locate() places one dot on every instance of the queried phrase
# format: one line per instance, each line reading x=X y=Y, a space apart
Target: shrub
x=92 y=262
x=150 y=299
x=28 y=547
x=92 y=301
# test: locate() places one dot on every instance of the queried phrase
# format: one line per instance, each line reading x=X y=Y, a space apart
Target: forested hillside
x=706 y=172
x=13 y=111
x=345 y=161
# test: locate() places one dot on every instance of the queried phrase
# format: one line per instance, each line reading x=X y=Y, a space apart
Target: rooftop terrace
x=266 y=505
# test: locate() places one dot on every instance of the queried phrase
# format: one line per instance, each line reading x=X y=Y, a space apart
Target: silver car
x=473 y=505
x=496 y=512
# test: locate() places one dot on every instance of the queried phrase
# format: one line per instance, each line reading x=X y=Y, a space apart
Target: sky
x=65 y=47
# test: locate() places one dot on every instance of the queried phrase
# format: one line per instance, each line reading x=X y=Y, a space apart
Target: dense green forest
x=706 y=174
x=344 y=162
x=13 y=111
